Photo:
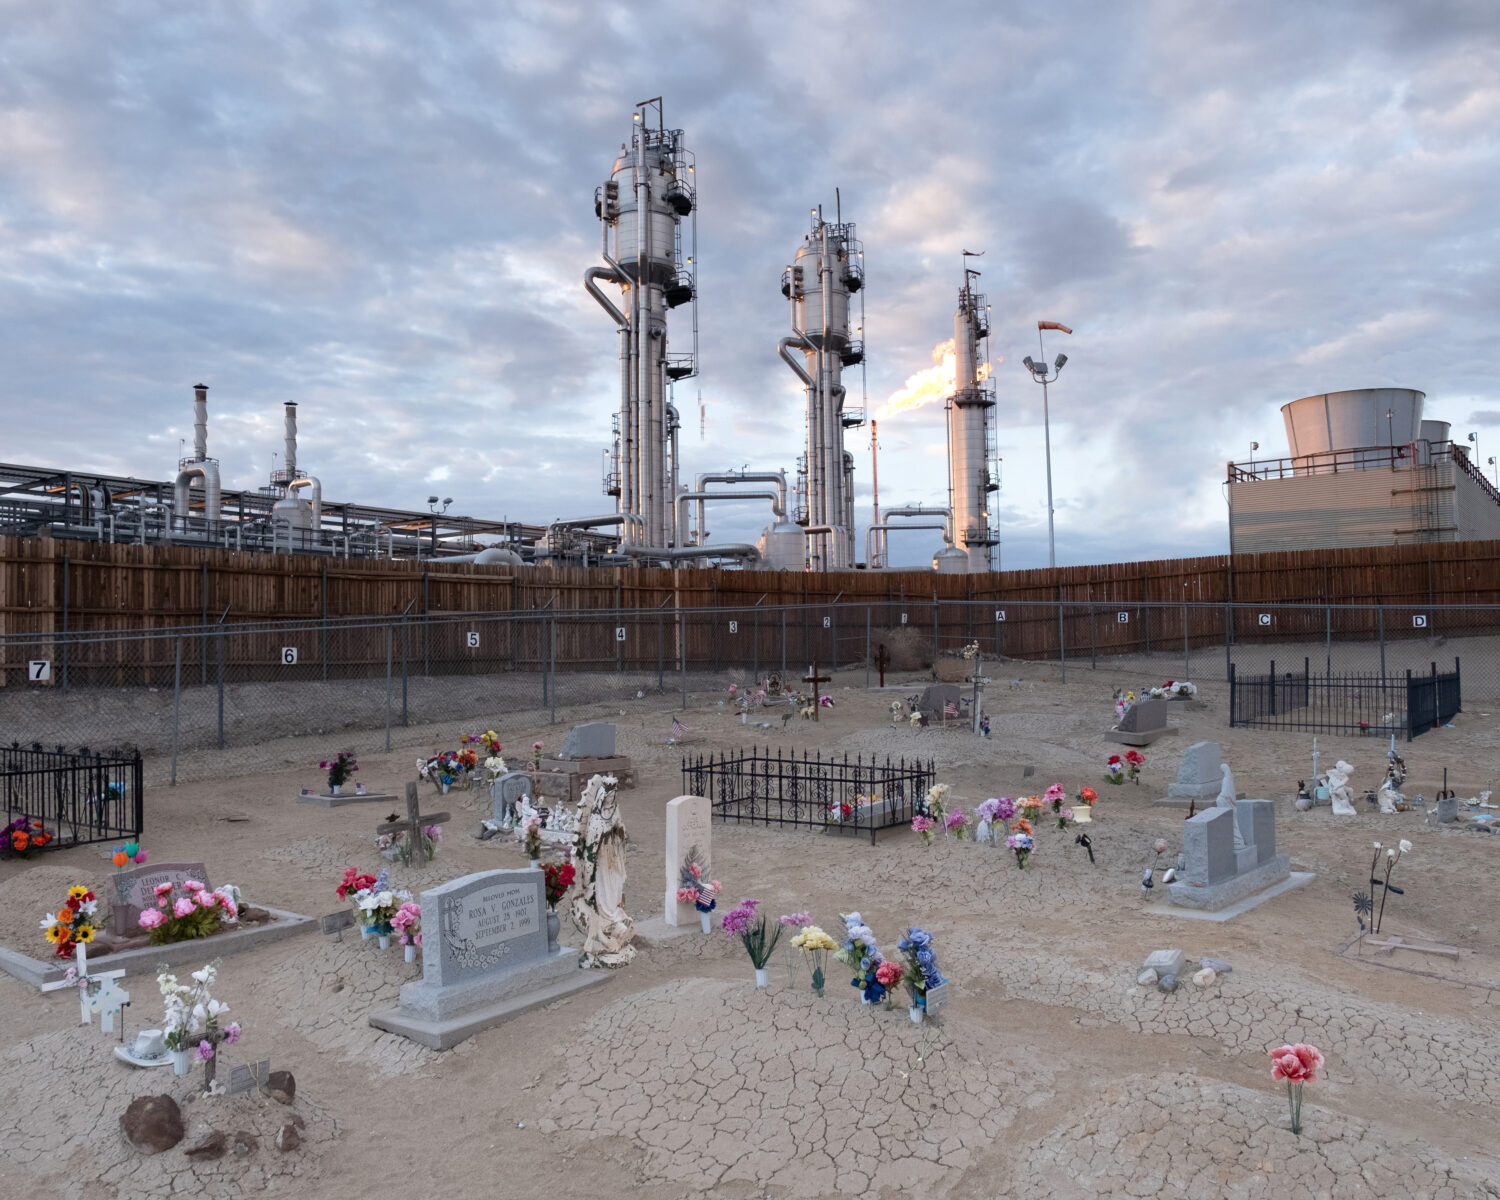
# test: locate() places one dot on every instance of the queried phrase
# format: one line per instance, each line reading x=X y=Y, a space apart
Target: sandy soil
x=1052 y=1074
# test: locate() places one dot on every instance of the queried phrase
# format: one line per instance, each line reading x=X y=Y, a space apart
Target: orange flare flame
x=931 y=383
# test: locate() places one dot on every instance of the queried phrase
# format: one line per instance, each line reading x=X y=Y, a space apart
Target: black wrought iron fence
x=1352 y=702
x=836 y=795
x=76 y=797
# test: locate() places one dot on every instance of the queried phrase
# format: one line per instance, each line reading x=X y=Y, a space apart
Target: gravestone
x=1143 y=722
x=1447 y=809
x=689 y=830
x=1215 y=874
x=592 y=739
x=1198 y=778
x=484 y=960
x=935 y=698
x=509 y=788
x=134 y=890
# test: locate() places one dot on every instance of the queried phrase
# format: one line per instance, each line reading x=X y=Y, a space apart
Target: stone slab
x=654 y=931
x=592 y=739
x=509 y=788
x=1144 y=716
x=1258 y=822
x=1217 y=896
x=1125 y=738
x=1198 y=777
x=1294 y=880
x=1164 y=962
x=326 y=801
x=133 y=889
x=144 y=959
x=479 y=931
x=554 y=978
x=563 y=780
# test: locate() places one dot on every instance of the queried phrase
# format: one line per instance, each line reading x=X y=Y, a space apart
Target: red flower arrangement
x=559 y=880
x=353 y=882
x=1297 y=1065
x=1135 y=760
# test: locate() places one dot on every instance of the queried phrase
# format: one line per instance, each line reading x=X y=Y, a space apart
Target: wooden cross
x=415 y=819
x=882 y=660
x=814 y=678
x=96 y=993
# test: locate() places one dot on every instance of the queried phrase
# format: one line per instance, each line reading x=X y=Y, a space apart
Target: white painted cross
x=97 y=993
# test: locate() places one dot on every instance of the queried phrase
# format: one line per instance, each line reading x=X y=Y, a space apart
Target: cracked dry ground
x=1051 y=1074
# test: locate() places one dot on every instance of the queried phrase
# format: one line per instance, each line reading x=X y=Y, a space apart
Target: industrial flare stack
x=972 y=446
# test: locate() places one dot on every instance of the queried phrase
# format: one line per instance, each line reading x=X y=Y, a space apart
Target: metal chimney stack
x=291 y=440
x=200 y=422
x=649 y=196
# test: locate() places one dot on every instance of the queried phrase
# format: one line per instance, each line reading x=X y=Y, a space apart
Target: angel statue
x=599 y=907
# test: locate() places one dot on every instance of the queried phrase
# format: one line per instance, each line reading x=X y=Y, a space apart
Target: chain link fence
x=221 y=687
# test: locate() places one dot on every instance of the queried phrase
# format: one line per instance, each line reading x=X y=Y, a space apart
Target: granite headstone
x=1198 y=778
x=134 y=890
x=592 y=739
x=509 y=788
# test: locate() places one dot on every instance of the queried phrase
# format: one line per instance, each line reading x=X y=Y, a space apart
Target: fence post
x=1228 y=641
x=67 y=577
x=1093 y=651
x=219 y=639
x=405 y=638
x=783 y=646
x=552 y=664
x=867 y=647
x=682 y=652
x=1380 y=624
x=389 y=638
x=936 y=640
x=1410 y=723
x=1273 y=687
x=1062 y=650
x=176 y=707
x=1231 y=695
x=1187 y=666
x=1328 y=639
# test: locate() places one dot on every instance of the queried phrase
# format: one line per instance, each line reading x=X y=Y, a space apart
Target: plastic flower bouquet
x=130 y=852
x=192 y=1020
x=935 y=803
x=74 y=923
x=191 y=911
x=1087 y=795
x=693 y=888
x=1297 y=1065
x=1134 y=761
x=921 y=966
x=407 y=926
x=1054 y=796
x=340 y=768
x=816 y=944
x=922 y=827
x=759 y=940
x=956 y=824
x=24 y=837
x=1114 y=770
x=1021 y=845
x=558 y=880
x=354 y=881
x=888 y=974
x=1064 y=818
x=861 y=953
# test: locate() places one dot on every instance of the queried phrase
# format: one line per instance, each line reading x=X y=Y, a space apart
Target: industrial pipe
x=317 y=498
x=489 y=556
x=885 y=548
x=635 y=520
x=208 y=471
x=776 y=477
x=700 y=497
x=730 y=550
x=785 y=345
x=915 y=511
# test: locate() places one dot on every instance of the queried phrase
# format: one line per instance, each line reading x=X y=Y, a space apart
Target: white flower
x=1377 y=845
x=199 y=1014
x=1390 y=854
x=89 y=907
x=1405 y=846
x=216 y=1008
x=204 y=975
x=49 y=921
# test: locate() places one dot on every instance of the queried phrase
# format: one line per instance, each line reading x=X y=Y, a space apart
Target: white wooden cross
x=98 y=993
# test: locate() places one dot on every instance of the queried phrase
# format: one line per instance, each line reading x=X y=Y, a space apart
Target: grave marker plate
x=134 y=890
x=334 y=922
x=937 y=998
x=248 y=1075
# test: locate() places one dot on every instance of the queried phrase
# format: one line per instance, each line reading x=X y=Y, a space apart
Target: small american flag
x=950 y=709
x=678 y=728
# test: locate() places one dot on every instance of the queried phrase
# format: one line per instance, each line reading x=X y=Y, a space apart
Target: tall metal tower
x=642 y=210
x=826 y=273
x=972 y=449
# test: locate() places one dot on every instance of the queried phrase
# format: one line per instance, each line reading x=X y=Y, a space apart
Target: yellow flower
x=77 y=894
x=56 y=934
x=83 y=933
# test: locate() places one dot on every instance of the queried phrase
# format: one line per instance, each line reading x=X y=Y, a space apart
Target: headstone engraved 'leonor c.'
x=130 y=892
x=484 y=959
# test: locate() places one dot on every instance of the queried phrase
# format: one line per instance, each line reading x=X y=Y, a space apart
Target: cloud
x=385 y=214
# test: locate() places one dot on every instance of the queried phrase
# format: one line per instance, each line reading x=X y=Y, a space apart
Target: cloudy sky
x=383 y=211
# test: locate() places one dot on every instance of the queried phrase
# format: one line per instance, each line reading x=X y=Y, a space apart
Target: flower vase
x=385 y=941
x=443 y=786
x=554 y=927
x=916 y=1013
x=182 y=1062
x=333 y=788
x=865 y=1000
x=762 y=977
x=535 y=863
x=411 y=952
x=365 y=932
x=705 y=921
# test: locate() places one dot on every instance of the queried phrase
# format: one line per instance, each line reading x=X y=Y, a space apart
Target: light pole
x=1496 y=472
x=1039 y=373
x=1474 y=437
